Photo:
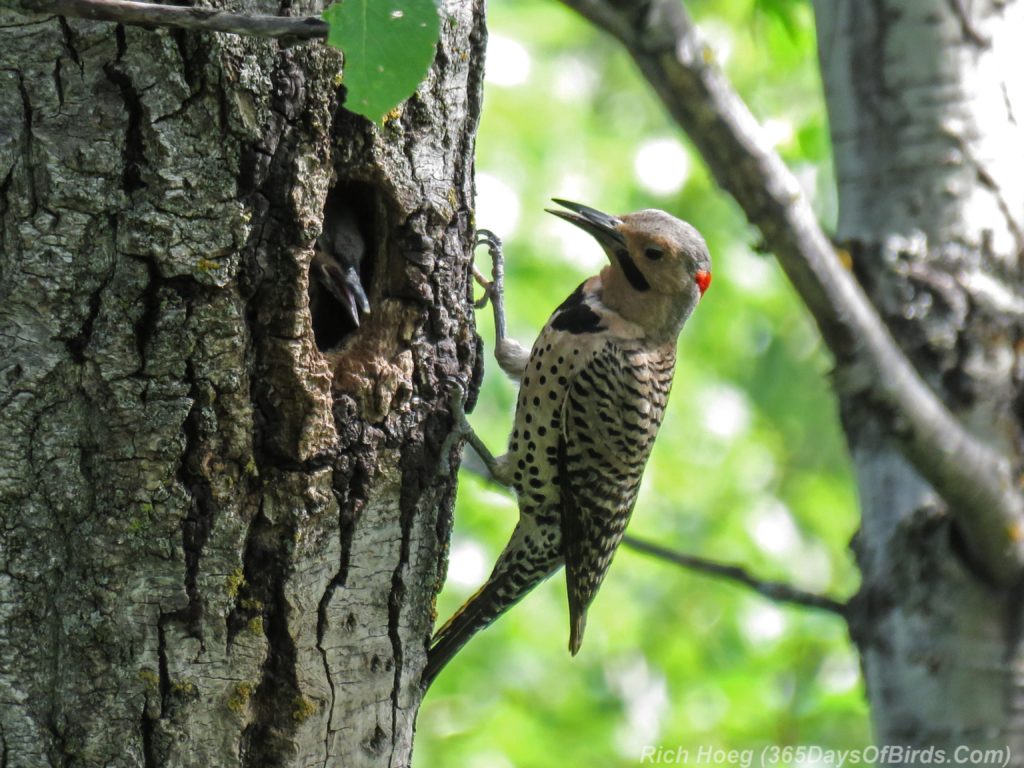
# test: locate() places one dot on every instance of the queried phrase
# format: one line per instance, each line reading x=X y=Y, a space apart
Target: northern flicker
x=337 y=256
x=592 y=394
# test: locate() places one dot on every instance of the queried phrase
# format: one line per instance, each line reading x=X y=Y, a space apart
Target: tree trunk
x=924 y=103
x=222 y=522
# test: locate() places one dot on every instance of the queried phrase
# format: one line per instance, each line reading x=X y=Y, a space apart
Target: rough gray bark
x=924 y=99
x=221 y=528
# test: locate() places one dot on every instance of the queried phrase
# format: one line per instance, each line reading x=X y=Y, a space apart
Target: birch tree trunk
x=925 y=98
x=221 y=528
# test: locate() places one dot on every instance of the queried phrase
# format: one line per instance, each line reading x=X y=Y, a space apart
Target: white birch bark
x=924 y=100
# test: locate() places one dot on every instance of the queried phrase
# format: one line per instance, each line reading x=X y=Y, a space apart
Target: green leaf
x=784 y=11
x=389 y=45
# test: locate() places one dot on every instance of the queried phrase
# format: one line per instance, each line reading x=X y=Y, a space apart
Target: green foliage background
x=750 y=466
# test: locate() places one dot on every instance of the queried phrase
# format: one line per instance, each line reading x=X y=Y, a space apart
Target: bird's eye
x=654 y=253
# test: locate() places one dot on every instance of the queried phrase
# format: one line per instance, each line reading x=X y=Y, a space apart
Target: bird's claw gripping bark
x=457 y=397
x=494 y=289
x=485 y=284
x=461 y=429
x=493 y=243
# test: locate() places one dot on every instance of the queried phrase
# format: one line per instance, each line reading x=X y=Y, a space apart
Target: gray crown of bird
x=592 y=395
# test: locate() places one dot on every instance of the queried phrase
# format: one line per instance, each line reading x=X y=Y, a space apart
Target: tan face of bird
x=660 y=265
x=671 y=255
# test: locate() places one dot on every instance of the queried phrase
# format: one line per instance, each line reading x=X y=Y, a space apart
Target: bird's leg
x=463 y=429
x=510 y=354
x=494 y=289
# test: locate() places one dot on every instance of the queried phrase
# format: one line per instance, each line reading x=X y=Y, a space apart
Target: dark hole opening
x=341 y=272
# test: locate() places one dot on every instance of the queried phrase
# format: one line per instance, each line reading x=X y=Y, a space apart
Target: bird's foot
x=494 y=248
x=494 y=289
x=493 y=286
x=462 y=430
x=484 y=283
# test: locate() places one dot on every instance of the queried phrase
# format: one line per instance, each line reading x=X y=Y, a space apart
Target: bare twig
x=773 y=590
x=979 y=483
x=182 y=17
x=970 y=31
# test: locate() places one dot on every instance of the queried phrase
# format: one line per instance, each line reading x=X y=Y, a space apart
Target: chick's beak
x=357 y=303
x=344 y=285
x=603 y=227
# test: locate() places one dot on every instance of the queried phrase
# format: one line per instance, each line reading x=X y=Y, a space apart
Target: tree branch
x=979 y=484
x=181 y=17
x=773 y=590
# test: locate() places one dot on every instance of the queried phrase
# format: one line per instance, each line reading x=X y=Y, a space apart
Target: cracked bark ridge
x=219 y=544
x=924 y=105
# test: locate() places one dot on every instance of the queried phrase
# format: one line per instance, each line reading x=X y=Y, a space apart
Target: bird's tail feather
x=505 y=588
x=577 y=624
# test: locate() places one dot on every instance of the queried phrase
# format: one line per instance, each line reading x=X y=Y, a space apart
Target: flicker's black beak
x=356 y=301
x=603 y=227
x=344 y=285
x=605 y=230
